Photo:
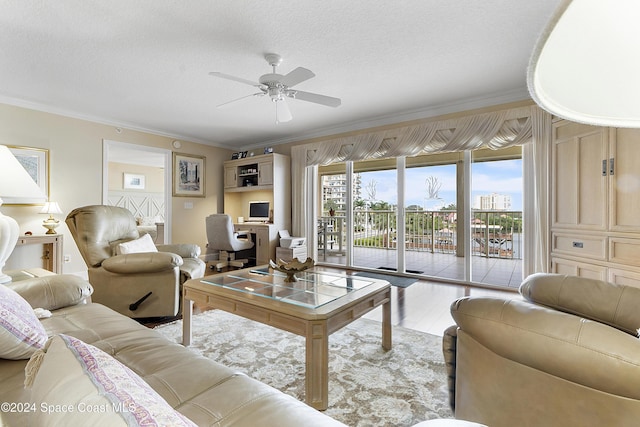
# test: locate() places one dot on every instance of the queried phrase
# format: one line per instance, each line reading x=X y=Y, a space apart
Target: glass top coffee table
x=316 y=305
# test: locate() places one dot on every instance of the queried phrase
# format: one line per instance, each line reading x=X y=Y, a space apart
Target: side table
x=52 y=249
x=27 y=273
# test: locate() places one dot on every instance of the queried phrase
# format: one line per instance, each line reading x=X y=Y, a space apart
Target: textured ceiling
x=144 y=64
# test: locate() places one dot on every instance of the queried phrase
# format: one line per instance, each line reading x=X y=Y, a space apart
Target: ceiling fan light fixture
x=278 y=87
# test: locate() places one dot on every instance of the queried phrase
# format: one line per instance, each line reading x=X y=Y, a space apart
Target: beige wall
x=75 y=158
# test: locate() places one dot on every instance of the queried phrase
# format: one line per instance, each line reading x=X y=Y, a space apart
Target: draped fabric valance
x=492 y=130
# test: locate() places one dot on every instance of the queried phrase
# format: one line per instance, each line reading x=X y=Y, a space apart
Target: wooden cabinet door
x=577 y=268
x=624 y=180
x=624 y=277
x=230 y=177
x=265 y=173
x=579 y=176
x=262 y=245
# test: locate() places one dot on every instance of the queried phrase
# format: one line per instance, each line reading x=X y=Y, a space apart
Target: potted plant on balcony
x=330 y=206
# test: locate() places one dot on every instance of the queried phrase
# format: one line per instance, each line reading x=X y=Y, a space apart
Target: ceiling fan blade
x=329 y=101
x=298 y=75
x=234 y=78
x=226 y=104
x=283 y=114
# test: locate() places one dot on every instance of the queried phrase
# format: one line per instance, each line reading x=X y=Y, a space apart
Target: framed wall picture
x=188 y=175
x=36 y=163
x=133 y=181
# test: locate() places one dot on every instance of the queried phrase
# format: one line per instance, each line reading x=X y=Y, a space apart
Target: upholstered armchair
x=130 y=274
x=564 y=353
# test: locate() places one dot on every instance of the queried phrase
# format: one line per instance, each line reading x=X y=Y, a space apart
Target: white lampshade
x=51 y=208
x=586 y=67
x=15 y=185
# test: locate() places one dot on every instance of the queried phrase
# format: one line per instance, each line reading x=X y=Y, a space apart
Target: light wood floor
x=424 y=306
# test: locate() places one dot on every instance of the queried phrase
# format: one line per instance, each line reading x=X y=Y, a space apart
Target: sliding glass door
x=431 y=219
x=420 y=215
x=375 y=215
x=496 y=225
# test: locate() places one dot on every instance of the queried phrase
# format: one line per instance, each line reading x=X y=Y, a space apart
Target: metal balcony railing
x=494 y=233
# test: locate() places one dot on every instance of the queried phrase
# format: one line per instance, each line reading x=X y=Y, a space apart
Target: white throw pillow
x=21 y=333
x=83 y=385
x=143 y=244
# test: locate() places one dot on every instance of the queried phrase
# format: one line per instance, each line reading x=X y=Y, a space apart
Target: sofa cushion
x=21 y=334
x=85 y=386
x=609 y=303
x=54 y=291
x=142 y=244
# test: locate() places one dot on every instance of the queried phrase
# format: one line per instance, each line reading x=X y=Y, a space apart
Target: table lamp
x=51 y=223
x=15 y=185
x=585 y=67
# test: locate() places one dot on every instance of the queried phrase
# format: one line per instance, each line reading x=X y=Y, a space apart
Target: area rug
x=401 y=282
x=368 y=386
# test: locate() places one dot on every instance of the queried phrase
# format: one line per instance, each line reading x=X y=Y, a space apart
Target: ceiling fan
x=279 y=87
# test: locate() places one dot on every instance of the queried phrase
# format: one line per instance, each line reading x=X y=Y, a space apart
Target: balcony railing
x=494 y=233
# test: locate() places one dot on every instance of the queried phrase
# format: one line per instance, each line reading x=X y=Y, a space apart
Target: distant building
x=334 y=188
x=492 y=202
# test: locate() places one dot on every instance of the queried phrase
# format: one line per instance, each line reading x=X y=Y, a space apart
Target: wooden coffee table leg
x=386 y=325
x=187 y=311
x=317 y=366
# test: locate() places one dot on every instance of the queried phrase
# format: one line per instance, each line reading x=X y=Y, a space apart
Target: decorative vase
x=291 y=268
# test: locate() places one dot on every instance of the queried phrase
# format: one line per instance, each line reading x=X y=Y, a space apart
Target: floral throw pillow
x=21 y=333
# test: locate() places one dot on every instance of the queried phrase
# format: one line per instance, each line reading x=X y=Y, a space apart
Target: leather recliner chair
x=566 y=354
x=138 y=285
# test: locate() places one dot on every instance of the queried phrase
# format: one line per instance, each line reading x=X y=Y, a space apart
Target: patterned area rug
x=367 y=385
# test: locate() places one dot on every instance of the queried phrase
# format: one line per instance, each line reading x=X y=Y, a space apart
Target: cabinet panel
x=265 y=173
x=580 y=245
x=566 y=179
x=624 y=251
x=580 y=198
x=580 y=269
x=625 y=181
x=624 y=277
x=230 y=177
x=592 y=189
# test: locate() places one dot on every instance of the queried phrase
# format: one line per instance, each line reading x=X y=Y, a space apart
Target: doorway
x=138 y=178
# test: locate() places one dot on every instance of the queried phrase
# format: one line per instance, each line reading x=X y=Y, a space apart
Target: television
x=259 y=211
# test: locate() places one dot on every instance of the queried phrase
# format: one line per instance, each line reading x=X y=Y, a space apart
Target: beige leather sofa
x=204 y=391
x=565 y=354
x=121 y=280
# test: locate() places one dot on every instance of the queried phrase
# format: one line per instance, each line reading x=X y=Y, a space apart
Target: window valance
x=494 y=130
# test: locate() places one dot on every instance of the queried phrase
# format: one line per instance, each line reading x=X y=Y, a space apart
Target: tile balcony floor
x=489 y=271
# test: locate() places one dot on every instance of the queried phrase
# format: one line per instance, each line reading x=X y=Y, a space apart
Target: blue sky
x=502 y=177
